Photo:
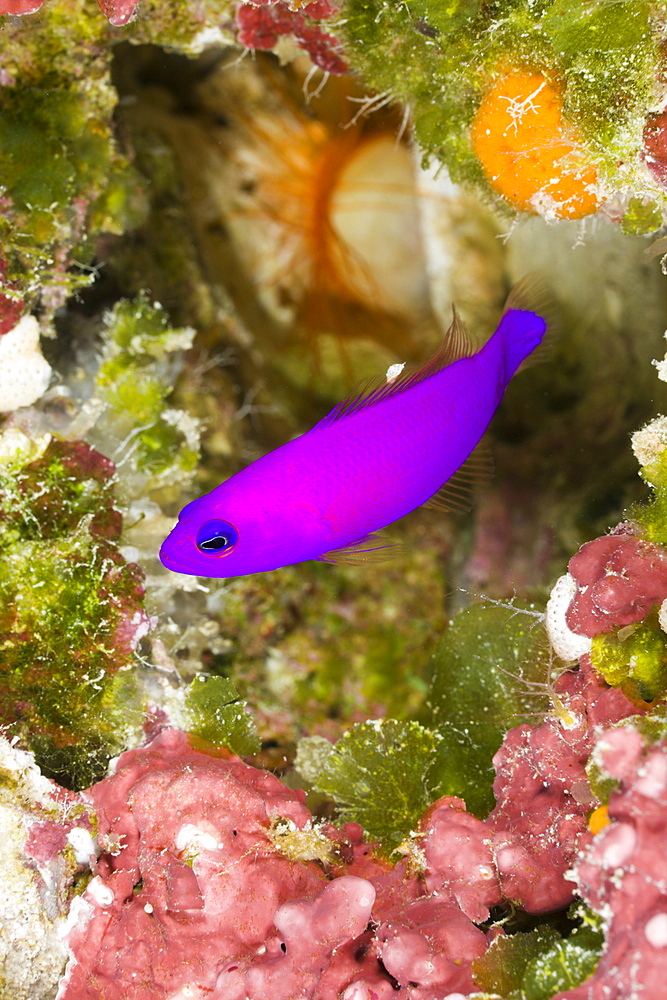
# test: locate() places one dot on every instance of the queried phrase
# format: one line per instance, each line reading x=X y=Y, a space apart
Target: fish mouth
x=170 y=563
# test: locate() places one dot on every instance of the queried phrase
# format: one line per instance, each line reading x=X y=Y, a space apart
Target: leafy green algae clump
x=653 y=516
x=219 y=717
x=71 y=608
x=380 y=774
x=135 y=380
x=538 y=964
x=490 y=672
x=634 y=658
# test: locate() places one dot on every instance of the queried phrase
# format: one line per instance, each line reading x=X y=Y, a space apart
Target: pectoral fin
x=373 y=548
x=459 y=492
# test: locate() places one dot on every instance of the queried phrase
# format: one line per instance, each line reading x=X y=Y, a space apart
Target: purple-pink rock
x=542 y=792
x=118 y=12
x=192 y=896
x=654 y=146
x=193 y=881
x=619 y=577
x=623 y=873
x=460 y=862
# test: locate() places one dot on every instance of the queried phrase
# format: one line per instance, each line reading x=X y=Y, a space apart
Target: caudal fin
x=528 y=324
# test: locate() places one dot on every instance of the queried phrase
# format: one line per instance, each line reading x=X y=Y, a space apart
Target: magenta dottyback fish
x=374 y=458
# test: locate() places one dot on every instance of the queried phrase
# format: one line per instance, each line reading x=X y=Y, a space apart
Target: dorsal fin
x=459 y=492
x=456 y=344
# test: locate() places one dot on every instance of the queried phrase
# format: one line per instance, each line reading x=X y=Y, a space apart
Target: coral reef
x=455 y=63
x=199 y=858
x=72 y=607
x=622 y=873
x=200 y=827
x=47 y=840
x=219 y=855
x=201 y=250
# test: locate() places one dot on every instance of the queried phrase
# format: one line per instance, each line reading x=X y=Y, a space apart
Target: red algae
x=11 y=309
x=623 y=872
x=262 y=23
x=118 y=12
x=192 y=893
x=619 y=577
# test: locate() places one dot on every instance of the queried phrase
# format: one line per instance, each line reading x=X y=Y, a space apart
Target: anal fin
x=459 y=492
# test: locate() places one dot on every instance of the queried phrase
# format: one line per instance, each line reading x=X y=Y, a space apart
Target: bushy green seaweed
x=380 y=774
x=634 y=658
x=538 y=964
x=63 y=179
x=489 y=673
x=219 y=716
x=133 y=379
x=68 y=606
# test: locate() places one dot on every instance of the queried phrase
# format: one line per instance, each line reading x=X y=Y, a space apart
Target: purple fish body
x=369 y=462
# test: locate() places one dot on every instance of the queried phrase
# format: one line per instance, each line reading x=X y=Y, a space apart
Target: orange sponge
x=531 y=156
x=598 y=819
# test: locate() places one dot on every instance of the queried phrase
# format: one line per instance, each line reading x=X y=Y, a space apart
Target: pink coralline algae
x=118 y=12
x=11 y=309
x=542 y=791
x=623 y=873
x=654 y=146
x=192 y=897
x=619 y=578
x=190 y=883
x=260 y=24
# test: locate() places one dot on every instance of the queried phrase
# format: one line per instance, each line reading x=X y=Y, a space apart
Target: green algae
x=380 y=776
x=67 y=603
x=652 y=516
x=634 y=658
x=219 y=716
x=641 y=216
x=440 y=57
x=312 y=651
x=139 y=342
x=490 y=672
x=64 y=180
x=540 y=963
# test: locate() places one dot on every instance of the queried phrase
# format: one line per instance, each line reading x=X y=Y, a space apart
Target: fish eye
x=217 y=537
